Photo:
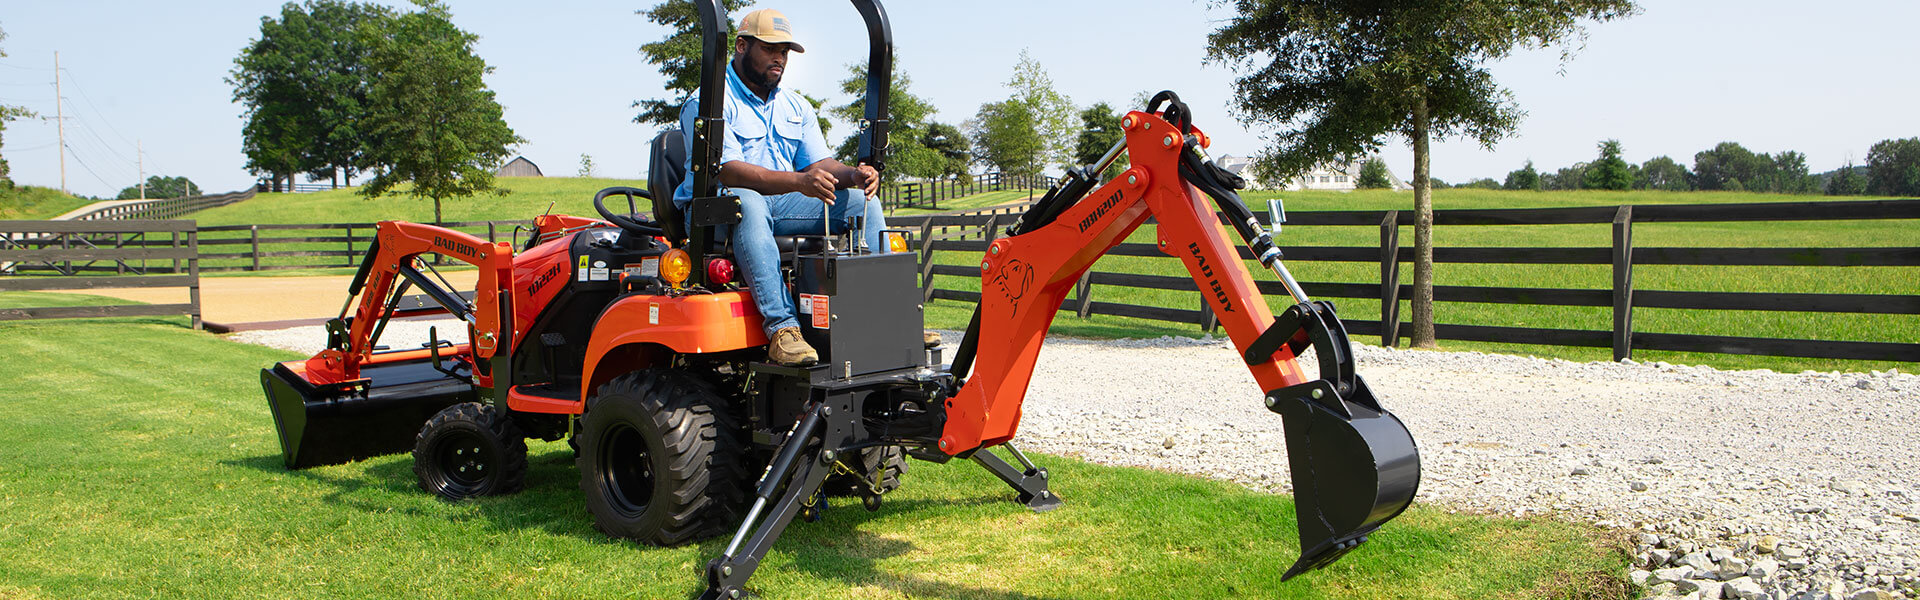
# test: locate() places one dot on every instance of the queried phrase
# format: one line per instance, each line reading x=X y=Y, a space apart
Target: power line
x=89 y=170
x=96 y=109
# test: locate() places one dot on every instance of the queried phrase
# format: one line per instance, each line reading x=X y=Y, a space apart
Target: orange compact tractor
x=628 y=337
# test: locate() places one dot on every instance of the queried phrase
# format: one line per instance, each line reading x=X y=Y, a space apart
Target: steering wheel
x=624 y=222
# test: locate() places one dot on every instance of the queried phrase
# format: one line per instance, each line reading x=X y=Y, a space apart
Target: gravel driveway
x=1748 y=484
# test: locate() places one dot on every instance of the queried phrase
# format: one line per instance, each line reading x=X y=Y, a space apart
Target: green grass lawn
x=31 y=202
x=977 y=201
x=1785 y=325
x=138 y=459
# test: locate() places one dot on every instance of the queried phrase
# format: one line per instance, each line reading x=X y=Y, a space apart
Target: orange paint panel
x=541 y=404
x=690 y=324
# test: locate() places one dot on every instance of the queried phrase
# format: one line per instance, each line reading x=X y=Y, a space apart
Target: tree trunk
x=436 y=210
x=1423 y=336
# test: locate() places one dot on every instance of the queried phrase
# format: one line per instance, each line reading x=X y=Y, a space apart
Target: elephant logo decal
x=1013 y=280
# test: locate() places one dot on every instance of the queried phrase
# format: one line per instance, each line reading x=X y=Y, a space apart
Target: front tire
x=469 y=449
x=659 y=462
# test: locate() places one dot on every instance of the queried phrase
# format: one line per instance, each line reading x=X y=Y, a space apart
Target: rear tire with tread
x=659 y=460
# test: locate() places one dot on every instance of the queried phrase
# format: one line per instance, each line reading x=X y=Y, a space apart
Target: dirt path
x=231 y=300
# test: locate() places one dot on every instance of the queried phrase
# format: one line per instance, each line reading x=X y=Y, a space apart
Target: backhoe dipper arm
x=1354 y=465
x=396 y=245
x=1025 y=277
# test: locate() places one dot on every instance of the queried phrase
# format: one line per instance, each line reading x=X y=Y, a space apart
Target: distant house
x=519 y=167
x=1339 y=176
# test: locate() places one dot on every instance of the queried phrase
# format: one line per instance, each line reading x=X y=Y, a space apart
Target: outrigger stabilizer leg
x=803 y=466
x=1030 y=481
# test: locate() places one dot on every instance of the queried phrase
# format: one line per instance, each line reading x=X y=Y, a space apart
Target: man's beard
x=759 y=77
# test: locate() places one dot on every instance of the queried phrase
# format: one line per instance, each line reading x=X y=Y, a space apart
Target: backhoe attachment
x=1354 y=464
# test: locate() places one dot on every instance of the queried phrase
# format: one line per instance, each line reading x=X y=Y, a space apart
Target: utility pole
x=60 y=116
x=140 y=148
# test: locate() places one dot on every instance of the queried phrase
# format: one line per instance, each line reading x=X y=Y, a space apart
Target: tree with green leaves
x=162 y=187
x=1846 y=181
x=586 y=165
x=1351 y=72
x=1054 y=115
x=1006 y=138
x=304 y=84
x=953 y=146
x=1662 y=173
x=1609 y=172
x=1569 y=177
x=1099 y=131
x=907 y=151
x=8 y=113
x=1524 y=178
x=1373 y=175
x=1483 y=183
x=1893 y=168
x=431 y=119
x=678 y=56
x=1437 y=183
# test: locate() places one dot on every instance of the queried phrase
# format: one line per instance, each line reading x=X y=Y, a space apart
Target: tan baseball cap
x=770 y=26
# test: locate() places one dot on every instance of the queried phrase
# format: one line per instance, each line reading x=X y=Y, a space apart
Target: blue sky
x=1826 y=79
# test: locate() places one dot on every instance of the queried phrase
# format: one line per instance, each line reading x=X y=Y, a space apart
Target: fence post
x=176 y=246
x=256 y=246
x=1623 y=283
x=1390 y=279
x=1207 y=319
x=120 y=265
x=490 y=232
x=1083 y=291
x=926 y=261
x=193 y=275
x=349 y=244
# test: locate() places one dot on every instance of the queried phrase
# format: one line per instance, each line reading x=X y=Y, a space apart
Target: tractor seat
x=667 y=167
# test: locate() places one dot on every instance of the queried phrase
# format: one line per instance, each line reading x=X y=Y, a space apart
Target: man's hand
x=868 y=179
x=818 y=183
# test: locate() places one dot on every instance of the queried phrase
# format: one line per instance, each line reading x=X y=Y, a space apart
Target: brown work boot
x=932 y=338
x=789 y=349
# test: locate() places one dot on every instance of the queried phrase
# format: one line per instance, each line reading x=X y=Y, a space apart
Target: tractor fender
x=638 y=329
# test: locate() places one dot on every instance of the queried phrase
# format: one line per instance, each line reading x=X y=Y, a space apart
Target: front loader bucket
x=1354 y=468
x=327 y=425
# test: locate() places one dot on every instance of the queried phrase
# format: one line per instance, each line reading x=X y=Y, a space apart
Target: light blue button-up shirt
x=781 y=134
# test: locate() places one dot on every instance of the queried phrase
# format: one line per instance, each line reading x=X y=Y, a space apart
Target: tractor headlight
x=896 y=242
x=676 y=266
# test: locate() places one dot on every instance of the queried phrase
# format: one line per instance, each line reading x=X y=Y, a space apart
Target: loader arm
x=396 y=246
x=1354 y=465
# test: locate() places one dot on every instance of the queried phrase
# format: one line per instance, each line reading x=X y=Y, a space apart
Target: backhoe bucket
x=334 y=424
x=1354 y=464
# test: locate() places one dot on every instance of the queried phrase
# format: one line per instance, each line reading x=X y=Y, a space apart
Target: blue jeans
x=762 y=217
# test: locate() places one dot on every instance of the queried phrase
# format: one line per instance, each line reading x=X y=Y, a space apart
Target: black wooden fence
x=929 y=194
x=971 y=233
x=310 y=245
x=58 y=255
x=171 y=208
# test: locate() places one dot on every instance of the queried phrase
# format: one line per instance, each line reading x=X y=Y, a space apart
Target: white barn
x=1335 y=176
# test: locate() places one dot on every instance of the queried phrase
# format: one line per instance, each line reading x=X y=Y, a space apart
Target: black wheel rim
x=626 y=470
x=465 y=462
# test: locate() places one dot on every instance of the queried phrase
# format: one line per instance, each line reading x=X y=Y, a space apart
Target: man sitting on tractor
x=776 y=160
